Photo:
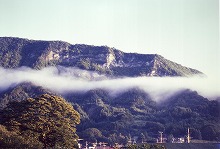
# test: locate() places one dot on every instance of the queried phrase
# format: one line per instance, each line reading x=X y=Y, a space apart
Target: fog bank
x=63 y=80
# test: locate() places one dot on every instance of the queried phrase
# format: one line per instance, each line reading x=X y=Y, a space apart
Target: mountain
x=21 y=92
x=133 y=113
x=17 y=52
x=107 y=117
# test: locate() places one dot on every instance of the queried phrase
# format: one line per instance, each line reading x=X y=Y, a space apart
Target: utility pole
x=86 y=145
x=134 y=141
x=161 y=136
x=129 y=139
x=188 y=136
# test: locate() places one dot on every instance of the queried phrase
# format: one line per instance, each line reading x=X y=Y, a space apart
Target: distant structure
x=79 y=145
x=134 y=141
x=129 y=141
x=188 y=136
x=86 y=145
x=161 y=137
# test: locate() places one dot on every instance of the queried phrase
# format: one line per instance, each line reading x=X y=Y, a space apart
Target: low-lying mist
x=64 y=80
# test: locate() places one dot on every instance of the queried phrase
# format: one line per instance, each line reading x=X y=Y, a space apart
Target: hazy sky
x=185 y=31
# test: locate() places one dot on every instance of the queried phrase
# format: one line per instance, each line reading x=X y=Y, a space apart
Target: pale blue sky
x=184 y=31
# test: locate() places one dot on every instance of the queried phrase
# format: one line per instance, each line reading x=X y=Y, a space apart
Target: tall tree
x=48 y=119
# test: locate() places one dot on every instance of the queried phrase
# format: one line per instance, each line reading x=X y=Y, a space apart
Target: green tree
x=209 y=133
x=47 y=119
x=10 y=139
x=92 y=133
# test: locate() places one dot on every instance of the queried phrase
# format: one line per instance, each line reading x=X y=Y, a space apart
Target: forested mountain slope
x=105 y=116
x=134 y=113
x=17 y=52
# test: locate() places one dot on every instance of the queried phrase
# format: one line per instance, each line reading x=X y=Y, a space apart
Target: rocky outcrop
x=17 y=52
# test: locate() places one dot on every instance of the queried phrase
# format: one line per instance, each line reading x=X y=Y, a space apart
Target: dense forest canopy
x=131 y=114
x=41 y=122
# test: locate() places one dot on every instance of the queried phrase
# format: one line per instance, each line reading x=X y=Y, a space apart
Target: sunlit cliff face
x=63 y=80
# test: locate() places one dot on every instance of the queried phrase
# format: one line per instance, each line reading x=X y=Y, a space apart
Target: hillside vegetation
x=105 y=117
x=17 y=52
x=41 y=122
x=133 y=113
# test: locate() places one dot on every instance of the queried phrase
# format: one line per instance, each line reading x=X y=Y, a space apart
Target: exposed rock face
x=16 y=52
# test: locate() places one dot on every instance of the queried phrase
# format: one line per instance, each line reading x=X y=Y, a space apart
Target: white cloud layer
x=63 y=80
